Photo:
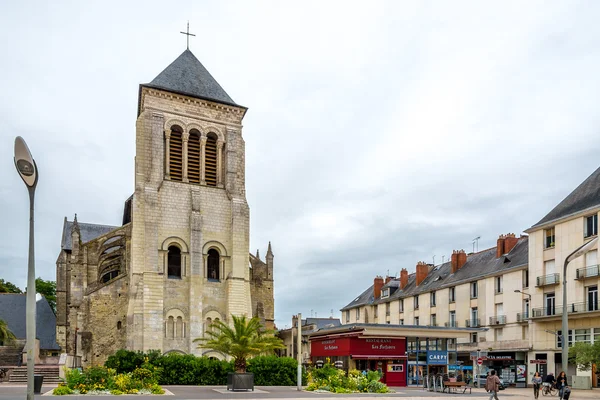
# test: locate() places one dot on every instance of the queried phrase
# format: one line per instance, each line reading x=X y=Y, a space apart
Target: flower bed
x=103 y=381
x=330 y=379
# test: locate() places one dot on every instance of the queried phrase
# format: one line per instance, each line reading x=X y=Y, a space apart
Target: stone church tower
x=181 y=258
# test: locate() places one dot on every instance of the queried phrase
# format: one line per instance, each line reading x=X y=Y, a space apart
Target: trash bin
x=37 y=383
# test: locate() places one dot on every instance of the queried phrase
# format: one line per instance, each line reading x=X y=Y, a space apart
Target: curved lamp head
x=582 y=250
x=25 y=163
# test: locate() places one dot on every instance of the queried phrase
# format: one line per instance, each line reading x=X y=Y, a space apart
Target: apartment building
x=471 y=291
x=573 y=222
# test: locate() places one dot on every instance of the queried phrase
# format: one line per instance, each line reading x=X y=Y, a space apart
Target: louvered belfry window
x=194 y=157
x=176 y=155
x=210 y=173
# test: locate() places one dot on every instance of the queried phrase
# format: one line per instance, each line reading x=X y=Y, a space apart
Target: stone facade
x=119 y=287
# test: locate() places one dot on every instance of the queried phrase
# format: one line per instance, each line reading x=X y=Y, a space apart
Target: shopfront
x=511 y=367
x=404 y=354
x=386 y=355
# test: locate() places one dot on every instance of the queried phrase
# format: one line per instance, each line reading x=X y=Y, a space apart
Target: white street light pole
x=299 y=345
x=27 y=169
x=581 y=250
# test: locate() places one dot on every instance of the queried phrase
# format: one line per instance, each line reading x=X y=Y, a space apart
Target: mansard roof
x=478 y=266
x=585 y=196
x=87 y=232
x=13 y=312
x=186 y=75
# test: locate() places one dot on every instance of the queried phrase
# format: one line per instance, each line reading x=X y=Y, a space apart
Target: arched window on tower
x=176 y=154
x=194 y=157
x=174 y=262
x=179 y=328
x=210 y=160
x=212 y=265
x=207 y=325
x=170 y=328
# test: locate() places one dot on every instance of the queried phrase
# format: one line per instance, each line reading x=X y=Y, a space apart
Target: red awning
x=377 y=357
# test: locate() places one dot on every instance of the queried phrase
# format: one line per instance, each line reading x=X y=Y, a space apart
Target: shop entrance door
x=395 y=373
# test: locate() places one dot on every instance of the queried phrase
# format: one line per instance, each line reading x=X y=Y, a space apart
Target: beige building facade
x=180 y=260
x=569 y=225
x=474 y=290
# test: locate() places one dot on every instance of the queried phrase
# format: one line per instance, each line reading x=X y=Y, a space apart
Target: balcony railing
x=547 y=280
x=572 y=308
x=472 y=323
x=588 y=272
x=522 y=316
x=451 y=324
x=498 y=320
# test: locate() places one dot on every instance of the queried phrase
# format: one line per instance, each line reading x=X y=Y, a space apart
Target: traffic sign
x=480 y=361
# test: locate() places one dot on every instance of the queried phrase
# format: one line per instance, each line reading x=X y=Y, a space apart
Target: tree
x=6 y=336
x=48 y=290
x=584 y=355
x=244 y=340
x=7 y=287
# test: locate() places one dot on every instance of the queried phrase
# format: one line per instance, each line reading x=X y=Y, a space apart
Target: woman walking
x=561 y=382
x=537 y=382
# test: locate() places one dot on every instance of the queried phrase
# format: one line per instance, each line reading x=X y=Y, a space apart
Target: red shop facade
x=387 y=355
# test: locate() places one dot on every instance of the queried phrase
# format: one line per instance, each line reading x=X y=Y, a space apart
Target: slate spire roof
x=186 y=75
x=586 y=195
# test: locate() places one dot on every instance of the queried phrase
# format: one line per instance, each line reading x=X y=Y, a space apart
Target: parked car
x=483 y=377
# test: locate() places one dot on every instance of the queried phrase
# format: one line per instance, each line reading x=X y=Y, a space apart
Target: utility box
x=581 y=382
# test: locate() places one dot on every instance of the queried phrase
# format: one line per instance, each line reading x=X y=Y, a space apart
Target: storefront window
x=583 y=335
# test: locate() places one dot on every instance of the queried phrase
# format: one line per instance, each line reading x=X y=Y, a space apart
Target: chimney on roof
x=459 y=258
x=377 y=285
x=510 y=241
x=500 y=246
x=422 y=270
x=403 y=278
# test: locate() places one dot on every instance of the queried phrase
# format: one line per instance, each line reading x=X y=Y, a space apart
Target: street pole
x=299 y=346
x=27 y=169
x=581 y=250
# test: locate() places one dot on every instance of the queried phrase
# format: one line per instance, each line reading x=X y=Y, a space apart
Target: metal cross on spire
x=188 y=35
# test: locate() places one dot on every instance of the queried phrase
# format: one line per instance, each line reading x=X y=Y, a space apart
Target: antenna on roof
x=476 y=242
x=443 y=259
x=311 y=312
x=332 y=313
x=434 y=259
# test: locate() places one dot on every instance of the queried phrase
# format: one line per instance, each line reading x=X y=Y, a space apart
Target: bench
x=454 y=386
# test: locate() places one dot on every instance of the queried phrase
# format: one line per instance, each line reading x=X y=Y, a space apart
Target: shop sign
x=330 y=347
x=378 y=347
x=498 y=357
x=437 y=357
x=538 y=361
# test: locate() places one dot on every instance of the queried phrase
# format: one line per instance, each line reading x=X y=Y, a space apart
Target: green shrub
x=275 y=371
x=74 y=378
x=335 y=380
x=155 y=389
x=98 y=378
x=61 y=391
x=125 y=361
x=187 y=369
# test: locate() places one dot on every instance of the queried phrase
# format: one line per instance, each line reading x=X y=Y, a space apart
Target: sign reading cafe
x=437 y=357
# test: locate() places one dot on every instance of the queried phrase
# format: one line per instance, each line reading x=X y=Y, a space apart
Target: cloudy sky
x=378 y=133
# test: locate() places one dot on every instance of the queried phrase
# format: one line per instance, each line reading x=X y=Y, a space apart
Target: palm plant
x=6 y=336
x=244 y=340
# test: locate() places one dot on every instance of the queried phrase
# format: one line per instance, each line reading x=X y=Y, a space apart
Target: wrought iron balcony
x=473 y=323
x=588 y=272
x=522 y=316
x=547 y=280
x=451 y=324
x=572 y=308
x=498 y=320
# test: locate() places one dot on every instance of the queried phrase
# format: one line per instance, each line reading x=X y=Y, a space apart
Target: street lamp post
x=581 y=250
x=27 y=169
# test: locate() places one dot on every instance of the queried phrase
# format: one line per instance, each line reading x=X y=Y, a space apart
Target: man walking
x=492 y=385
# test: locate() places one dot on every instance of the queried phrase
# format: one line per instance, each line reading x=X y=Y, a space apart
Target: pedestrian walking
x=492 y=385
x=561 y=383
x=537 y=382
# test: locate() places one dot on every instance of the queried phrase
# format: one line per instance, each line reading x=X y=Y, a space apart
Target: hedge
x=187 y=369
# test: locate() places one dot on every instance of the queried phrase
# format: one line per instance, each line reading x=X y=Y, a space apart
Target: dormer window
x=549 y=236
x=591 y=226
x=385 y=293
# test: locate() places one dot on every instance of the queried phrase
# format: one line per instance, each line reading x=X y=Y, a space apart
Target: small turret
x=75 y=237
x=269 y=262
x=257 y=254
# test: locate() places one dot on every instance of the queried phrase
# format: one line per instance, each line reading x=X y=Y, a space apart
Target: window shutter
x=210 y=174
x=176 y=156
x=194 y=158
